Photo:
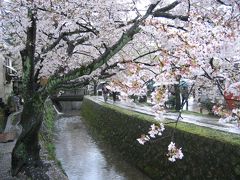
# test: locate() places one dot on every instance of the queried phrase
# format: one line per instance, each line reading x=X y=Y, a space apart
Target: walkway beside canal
x=8 y=140
x=193 y=118
x=6 y=147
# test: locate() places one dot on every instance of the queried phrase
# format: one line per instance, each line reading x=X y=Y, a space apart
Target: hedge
x=208 y=153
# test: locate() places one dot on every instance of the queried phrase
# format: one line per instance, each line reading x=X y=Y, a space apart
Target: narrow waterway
x=83 y=158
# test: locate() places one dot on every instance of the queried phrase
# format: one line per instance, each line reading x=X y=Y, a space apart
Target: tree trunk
x=26 y=150
x=178 y=98
x=95 y=88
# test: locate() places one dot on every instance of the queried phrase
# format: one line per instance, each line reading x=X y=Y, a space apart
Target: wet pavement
x=210 y=122
x=200 y=120
x=8 y=137
x=83 y=158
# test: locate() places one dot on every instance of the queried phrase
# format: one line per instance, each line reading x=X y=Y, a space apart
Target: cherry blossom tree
x=201 y=44
x=70 y=43
x=61 y=42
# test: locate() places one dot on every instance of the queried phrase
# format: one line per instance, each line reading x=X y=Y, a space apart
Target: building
x=7 y=74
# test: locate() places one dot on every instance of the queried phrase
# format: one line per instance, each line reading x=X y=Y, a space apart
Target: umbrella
x=183 y=83
x=100 y=85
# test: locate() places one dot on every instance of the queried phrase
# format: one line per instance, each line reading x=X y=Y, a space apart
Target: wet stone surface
x=5 y=160
x=84 y=159
x=205 y=121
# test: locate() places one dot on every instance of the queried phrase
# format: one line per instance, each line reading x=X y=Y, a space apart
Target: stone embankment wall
x=208 y=154
x=70 y=105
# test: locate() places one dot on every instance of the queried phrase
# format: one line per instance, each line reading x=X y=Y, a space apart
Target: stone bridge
x=69 y=99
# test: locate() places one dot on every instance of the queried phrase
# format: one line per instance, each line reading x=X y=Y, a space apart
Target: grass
x=51 y=150
x=144 y=103
x=208 y=132
x=187 y=127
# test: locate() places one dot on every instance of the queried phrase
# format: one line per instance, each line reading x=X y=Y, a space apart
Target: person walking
x=105 y=92
x=184 y=93
x=114 y=94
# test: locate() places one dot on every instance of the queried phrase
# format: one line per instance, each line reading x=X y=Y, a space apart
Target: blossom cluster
x=156 y=130
x=153 y=132
x=144 y=138
x=174 y=152
x=159 y=96
x=158 y=112
x=236 y=115
x=227 y=116
x=220 y=111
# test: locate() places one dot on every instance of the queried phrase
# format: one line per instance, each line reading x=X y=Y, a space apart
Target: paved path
x=5 y=160
x=205 y=121
x=6 y=150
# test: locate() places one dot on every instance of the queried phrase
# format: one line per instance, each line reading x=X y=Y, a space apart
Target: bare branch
x=170 y=16
x=56 y=42
x=162 y=12
x=105 y=57
x=168 y=7
x=223 y=3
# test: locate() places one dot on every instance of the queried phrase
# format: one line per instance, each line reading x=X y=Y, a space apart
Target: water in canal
x=84 y=159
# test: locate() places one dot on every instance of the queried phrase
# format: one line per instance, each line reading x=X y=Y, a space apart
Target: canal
x=83 y=158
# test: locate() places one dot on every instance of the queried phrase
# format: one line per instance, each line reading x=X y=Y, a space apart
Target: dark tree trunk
x=178 y=98
x=95 y=85
x=26 y=150
x=95 y=88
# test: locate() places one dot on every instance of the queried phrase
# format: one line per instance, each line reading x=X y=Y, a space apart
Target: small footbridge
x=69 y=99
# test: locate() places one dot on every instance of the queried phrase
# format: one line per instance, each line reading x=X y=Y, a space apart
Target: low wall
x=208 y=154
x=70 y=105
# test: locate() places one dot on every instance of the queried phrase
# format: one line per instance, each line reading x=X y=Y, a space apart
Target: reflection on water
x=83 y=159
